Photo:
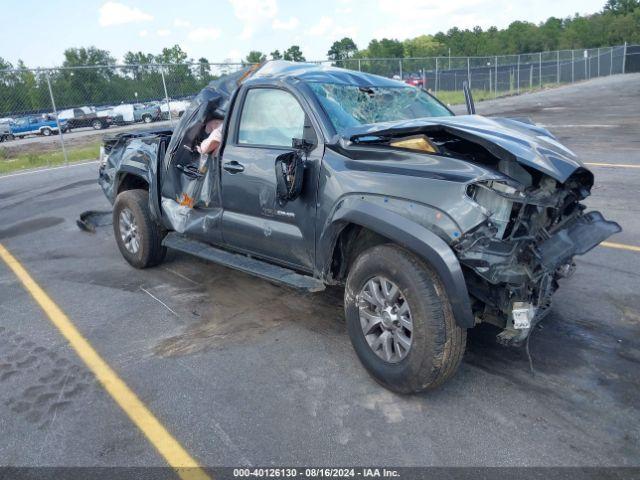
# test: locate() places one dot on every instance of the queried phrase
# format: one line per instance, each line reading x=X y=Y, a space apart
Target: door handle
x=233 y=167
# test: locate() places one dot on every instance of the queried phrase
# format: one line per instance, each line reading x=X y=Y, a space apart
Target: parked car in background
x=109 y=112
x=147 y=113
x=85 y=117
x=177 y=108
x=416 y=81
x=5 y=130
x=44 y=125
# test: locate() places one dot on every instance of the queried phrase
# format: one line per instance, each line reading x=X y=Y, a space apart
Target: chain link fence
x=55 y=116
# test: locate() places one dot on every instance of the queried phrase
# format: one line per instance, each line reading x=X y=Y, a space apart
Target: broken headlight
x=496 y=200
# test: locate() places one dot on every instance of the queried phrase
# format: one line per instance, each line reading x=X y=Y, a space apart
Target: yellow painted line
x=176 y=456
x=616 y=165
x=620 y=246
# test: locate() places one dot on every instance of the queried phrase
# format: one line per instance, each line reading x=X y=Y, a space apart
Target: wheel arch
x=349 y=224
x=130 y=180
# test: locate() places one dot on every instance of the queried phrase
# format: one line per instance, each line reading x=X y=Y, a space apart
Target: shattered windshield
x=352 y=105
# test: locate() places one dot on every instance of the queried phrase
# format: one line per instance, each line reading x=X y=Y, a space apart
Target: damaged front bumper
x=513 y=281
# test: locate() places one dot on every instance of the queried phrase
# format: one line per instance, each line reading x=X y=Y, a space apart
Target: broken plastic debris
x=91 y=219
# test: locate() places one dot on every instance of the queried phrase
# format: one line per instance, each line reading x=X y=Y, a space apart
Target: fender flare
x=414 y=237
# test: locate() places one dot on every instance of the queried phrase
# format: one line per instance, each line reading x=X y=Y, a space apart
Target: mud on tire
x=150 y=252
x=437 y=342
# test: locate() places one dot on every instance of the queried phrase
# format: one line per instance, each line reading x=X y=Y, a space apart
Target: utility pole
x=166 y=95
x=436 y=85
x=558 y=67
x=624 y=59
x=611 y=61
x=55 y=112
x=540 y=68
x=518 y=88
x=573 y=65
x=496 y=94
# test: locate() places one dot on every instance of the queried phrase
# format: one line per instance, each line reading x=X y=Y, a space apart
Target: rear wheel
x=46 y=132
x=139 y=238
x=97 y=125
x=146 y=118
x=400 y=321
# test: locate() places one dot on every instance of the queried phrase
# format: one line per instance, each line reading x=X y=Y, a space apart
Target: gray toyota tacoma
x=433 y=223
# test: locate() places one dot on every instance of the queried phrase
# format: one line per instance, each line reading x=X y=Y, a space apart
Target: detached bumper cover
x=577 y=238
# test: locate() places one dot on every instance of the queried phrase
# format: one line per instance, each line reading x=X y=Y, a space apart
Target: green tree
x=422 y=46
x=342 y=50
x=621 y=7
x=294 y=54
x=255 y=56
x=204 y=70
x=139 y=62
x=172 y=55
x=385 y=48
x=276 y=55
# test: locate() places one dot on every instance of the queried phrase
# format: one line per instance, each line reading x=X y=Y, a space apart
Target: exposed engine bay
x=534 y=225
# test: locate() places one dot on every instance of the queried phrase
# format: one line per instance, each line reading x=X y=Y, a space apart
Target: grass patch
x=456 y=97
x=14 y=161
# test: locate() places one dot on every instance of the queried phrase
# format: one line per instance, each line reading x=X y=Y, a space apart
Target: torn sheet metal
x=190 y=189
x=211 y=103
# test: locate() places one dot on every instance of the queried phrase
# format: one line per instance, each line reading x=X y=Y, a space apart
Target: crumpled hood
x=506 y=138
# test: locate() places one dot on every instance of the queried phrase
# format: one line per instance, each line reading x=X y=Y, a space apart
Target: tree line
x=24 y=91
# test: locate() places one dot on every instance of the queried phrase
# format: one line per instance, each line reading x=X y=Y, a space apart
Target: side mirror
x=302 y=144
x=289 y=176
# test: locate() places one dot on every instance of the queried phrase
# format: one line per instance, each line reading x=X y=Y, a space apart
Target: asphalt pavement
x=242 y=372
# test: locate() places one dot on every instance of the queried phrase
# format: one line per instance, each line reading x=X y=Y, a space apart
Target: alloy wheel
x=385 y=318
x=129 y=231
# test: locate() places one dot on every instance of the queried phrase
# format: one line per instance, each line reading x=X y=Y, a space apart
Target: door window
x=270 y=117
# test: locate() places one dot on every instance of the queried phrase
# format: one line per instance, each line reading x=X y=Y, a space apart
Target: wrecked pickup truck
x=433 y=223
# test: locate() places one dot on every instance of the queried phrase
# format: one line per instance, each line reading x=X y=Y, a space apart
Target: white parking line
x=47 y=169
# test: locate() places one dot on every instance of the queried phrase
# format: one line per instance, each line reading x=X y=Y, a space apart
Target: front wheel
x=400 y=322
x=97 y=125
x=46 y=132
x=138 y=236
x=146 y=118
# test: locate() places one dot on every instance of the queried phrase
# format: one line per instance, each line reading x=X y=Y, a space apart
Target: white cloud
x=143 y=33
x=290 y=24
x=163 y=32
x=326 y=27
x=181 y=23
x=344 y=11
x=234 y=55
x=253 y=14
x=322 y=27
x=203 y=34
x=419 y=16
x=114 y=13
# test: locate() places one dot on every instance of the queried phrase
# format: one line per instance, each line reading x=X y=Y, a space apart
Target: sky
x=221 y=30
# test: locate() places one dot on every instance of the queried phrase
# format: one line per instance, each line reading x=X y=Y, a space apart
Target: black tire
x=46 y=132
x=147 y=118
x=150 y=234
x=438 y=343
x=97 y=125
